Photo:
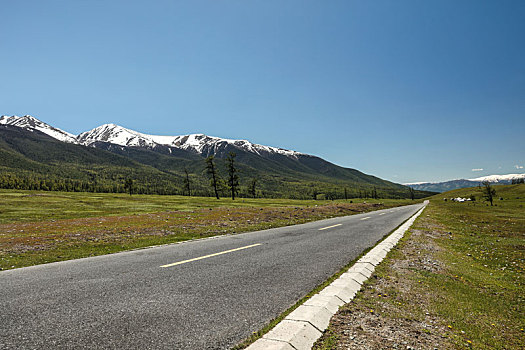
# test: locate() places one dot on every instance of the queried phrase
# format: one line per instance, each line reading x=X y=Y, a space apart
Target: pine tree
x=252 y=188
x=187 y=182
x=128 y=185
x=488 y=192
x=233 y=178
x=212 y=171
x=411 y=192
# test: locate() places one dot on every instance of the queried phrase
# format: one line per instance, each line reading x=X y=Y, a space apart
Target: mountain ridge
x=278 y=159
x=31 y=123
x=279 y=172
x=444 y=186
x=119 y=135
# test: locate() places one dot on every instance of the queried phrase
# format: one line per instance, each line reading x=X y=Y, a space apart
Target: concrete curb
x=303 y=326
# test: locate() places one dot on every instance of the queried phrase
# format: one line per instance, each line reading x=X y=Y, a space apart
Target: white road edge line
x=303 y=326
x=325 y=228
x=368 y=217
x=211 y=255
x=381 y=213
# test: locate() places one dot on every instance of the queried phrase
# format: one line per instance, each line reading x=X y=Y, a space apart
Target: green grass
x=483 y=291
x=30 y=206
x=43 y=227
x=475 y=291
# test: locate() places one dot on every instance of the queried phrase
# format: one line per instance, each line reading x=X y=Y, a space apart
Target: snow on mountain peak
x=200 y=143
x=197 y=143
x=116 y=134
x=498 y=178
x=31 y=123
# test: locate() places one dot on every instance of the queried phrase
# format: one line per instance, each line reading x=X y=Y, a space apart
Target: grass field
x=455 y=281
x=39 y=227
x=28 y=206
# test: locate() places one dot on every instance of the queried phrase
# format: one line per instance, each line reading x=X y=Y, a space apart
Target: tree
x=128 y=185
x=488 y=192
x=187 y=182
x=93 y=177
x=411 y=192
x=252 y=188
x=212 y=171
x=346 y=194
x=233 y=178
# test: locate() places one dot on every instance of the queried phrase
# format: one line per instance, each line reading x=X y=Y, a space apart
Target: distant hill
x=100 y=160
x=464 y=183
x=514 y=193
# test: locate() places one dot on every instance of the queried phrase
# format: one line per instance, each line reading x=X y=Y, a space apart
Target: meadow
x=40 y=227
x=455 y=281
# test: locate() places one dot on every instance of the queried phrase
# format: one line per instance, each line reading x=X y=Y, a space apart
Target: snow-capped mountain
x=115 y=134
x=462 y=183
x=30 y=123
x=121 y=136
x=499 y=178
x=111 y=153
x=178 y=153
x=196 y=143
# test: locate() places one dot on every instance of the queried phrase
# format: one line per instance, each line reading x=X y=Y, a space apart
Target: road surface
x=205 y=294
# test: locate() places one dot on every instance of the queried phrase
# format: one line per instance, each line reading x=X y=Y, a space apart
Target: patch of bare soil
x=390 y=311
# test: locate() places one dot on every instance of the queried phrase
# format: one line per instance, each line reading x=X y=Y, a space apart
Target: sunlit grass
x=29 y=206
x=456 y=278
x=42 y=227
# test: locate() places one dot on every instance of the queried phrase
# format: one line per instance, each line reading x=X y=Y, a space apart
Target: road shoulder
x=391 y=311
x=454 y=282
x=303 y=326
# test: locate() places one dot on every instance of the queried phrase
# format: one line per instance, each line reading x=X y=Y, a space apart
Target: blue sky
x=405 y=90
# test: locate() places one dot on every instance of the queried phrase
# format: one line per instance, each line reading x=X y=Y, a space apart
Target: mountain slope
x=30 y=123
x=268 y=158
x=30 y=159
x=166 y=158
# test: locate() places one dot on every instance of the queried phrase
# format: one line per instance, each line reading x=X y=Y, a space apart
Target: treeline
x=40 y=182
x=172 y=184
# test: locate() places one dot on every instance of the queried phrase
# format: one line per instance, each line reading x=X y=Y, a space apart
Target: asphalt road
x=143 y=299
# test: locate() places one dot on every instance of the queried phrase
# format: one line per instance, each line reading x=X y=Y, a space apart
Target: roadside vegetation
x=38 y=227
x=455 y=281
